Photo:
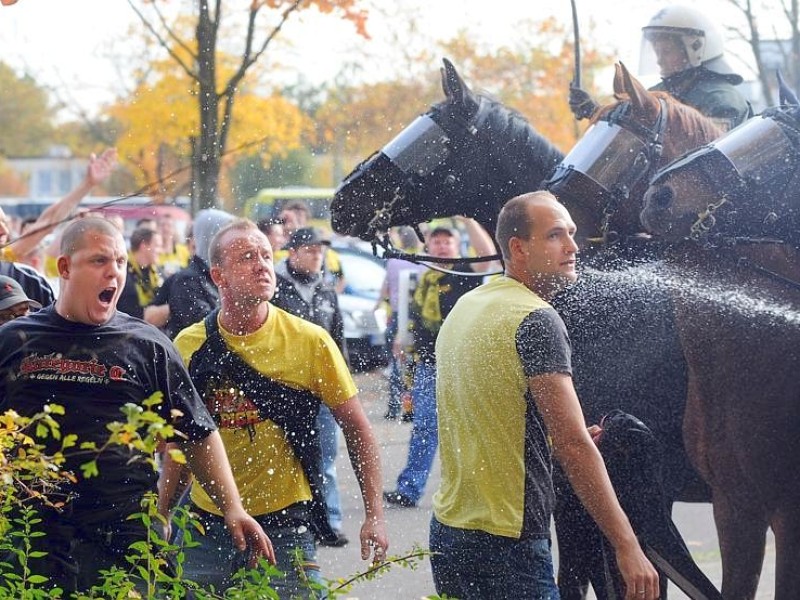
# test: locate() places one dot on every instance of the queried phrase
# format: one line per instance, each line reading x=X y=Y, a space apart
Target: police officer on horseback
x=686 y=48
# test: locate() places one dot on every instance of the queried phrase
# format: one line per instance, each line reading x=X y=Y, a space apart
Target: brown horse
x=604 y=177
x=737 y=202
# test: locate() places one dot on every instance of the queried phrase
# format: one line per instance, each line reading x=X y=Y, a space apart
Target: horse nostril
x=663 y=197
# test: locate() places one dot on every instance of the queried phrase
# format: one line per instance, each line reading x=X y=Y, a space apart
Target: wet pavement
x=408 y=527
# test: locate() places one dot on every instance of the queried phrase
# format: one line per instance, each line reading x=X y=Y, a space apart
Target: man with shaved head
x=504 y=370
x=86 y=356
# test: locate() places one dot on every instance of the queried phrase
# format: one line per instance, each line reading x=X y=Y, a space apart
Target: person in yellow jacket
x=174 y=254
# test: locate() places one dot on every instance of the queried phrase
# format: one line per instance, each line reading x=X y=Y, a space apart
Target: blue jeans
x=329 y=441
x=215 y=560
x=424 y=434
x=474 y=565
x=396 y=383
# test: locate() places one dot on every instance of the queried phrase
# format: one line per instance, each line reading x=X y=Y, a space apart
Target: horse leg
x=742 y=529
x=786 y=526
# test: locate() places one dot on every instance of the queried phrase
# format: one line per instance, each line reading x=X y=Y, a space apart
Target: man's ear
x=217 y=276
x=517 y=247
x=62 y=263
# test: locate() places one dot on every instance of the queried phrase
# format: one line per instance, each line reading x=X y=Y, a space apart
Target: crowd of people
x=238 y=325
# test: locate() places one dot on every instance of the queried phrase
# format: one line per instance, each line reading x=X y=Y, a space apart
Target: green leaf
x=89 y=469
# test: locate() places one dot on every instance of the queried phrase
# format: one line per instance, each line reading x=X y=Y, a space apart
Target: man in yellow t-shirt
x=263 y=374
x=506 y=401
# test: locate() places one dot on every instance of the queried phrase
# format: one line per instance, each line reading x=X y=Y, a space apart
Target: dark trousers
x=77 y=553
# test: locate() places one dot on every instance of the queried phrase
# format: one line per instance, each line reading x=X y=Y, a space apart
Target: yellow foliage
x=533 y=75
x=159 y=120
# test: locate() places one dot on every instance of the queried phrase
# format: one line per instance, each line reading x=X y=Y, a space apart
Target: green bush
x=33 y=452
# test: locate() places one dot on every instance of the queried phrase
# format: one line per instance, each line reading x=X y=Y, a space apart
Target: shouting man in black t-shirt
x=83 y=354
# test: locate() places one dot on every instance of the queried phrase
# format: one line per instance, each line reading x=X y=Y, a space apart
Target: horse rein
x=389 y=251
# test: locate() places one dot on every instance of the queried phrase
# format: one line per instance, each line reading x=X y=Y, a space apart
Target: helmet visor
x=419 y=148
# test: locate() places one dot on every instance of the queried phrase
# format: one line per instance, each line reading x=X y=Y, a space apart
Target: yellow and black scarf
x=147 y=280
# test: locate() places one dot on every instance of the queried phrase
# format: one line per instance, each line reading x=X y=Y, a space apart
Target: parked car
x=364 y=325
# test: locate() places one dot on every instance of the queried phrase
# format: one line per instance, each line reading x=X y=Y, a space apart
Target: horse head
x=741 y=185
x=466 y=156
x=603 y=178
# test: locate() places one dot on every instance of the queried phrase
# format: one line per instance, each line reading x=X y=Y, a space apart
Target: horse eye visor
x=419 y=148
x=606 y=157
x=755 y=152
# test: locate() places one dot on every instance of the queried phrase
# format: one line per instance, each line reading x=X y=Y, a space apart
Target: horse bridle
x=653 y=139
x=723 y=173
x=383 y=215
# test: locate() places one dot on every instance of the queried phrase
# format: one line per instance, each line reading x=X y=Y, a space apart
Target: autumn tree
x=773 y=25
x=532 y=73
x=25 y=114
x=158 y=123
x=214 y=92
x=11 y=183
x=356 y=120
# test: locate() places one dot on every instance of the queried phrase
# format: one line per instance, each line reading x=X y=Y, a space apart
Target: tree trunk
x=207 y=156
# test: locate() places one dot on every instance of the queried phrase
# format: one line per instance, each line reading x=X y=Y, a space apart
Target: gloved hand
x=581 y=103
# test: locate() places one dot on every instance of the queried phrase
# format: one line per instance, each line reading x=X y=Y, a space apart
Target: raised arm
x=573 y=447
x=481 y=242
x=100 y=167
x=365 y=458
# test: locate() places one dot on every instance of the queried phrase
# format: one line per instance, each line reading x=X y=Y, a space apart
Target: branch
x=171 y=33
x=247 y=60
x=412 y=557
x=163 y=43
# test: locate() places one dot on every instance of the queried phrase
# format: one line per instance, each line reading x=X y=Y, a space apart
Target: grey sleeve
x=543 y=344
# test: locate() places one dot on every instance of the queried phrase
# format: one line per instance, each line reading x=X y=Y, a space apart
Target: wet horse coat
x=625 y=348
x=740 y=330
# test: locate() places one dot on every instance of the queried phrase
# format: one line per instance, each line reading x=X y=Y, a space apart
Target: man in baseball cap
x=13 y=301
x=306 y=236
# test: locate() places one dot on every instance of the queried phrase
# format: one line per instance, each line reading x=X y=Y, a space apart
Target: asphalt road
x=409 y=527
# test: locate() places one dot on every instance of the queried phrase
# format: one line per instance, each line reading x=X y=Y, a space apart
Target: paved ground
x=409 y=527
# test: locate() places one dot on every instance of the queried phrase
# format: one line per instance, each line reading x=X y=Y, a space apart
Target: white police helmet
x=696 y=32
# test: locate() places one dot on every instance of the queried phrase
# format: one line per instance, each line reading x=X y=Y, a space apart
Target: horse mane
x=696 y=127
x=521 y=141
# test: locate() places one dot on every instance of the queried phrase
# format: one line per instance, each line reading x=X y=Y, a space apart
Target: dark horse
x=468 y=155
x=737 y=203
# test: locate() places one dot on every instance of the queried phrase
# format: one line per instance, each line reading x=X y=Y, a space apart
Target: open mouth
x=107 y=295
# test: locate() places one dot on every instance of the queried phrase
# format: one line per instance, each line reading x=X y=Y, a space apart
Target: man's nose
x=571 y=246
x=117 y=268
x=262 y=262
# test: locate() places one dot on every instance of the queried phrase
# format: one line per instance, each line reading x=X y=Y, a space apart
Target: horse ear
x=641 y=100
x=454 y=87
x=619 y=84
x=787 y=96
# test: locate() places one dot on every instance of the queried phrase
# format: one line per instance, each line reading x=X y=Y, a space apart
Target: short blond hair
x=215 y=248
